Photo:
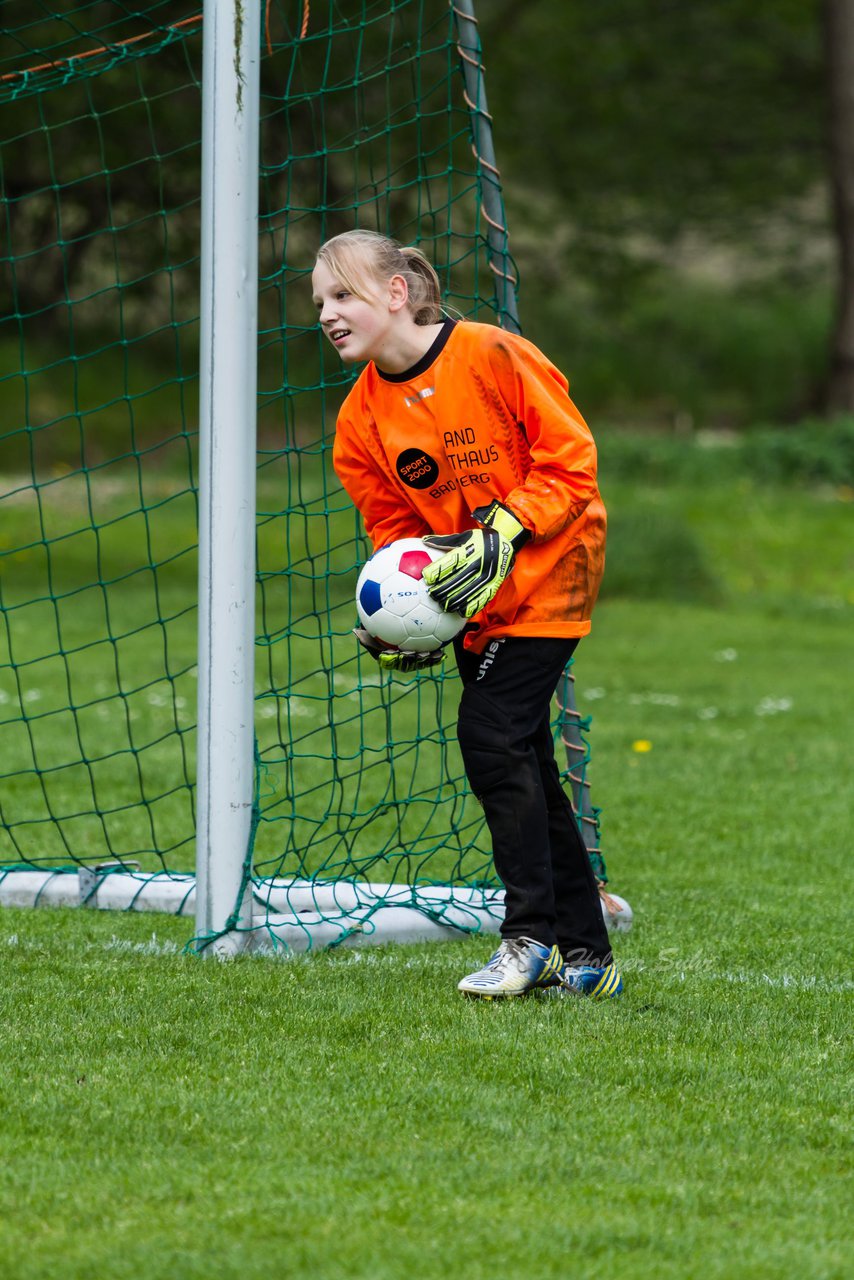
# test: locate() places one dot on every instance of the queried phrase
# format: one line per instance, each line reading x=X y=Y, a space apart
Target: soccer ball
x=393 y=602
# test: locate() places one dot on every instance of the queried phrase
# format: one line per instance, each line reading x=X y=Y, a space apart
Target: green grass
x=348 y=1115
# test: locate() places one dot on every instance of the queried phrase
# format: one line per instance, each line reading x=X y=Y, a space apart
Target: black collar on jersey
x=422 y=365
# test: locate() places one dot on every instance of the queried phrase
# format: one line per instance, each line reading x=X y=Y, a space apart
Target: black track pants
x=508 y=752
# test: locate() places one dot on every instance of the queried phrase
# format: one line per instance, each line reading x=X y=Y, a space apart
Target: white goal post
x=227 y=462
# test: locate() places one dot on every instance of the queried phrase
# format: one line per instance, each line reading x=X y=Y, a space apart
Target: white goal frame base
x=299 y=915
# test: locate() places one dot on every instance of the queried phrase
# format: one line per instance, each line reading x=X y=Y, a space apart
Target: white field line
x=686 y=970
x=796 y=982
x=395 y=955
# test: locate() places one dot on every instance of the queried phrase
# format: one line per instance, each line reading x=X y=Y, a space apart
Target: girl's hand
x=476 y=562
x=391 y=659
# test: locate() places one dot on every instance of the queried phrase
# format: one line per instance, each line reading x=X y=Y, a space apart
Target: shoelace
x=508 y=949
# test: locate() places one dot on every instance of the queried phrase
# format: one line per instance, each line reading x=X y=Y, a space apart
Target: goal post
x=186 y=723
x=227 y=465
x=492 y=200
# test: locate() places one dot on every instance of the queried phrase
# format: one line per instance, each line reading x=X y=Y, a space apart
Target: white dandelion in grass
x=726 y=655
x=299 y=707
x=345 y=683
x=773 y=706
x=655 y=699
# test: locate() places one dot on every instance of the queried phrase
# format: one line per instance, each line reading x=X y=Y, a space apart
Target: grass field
x=348 y=1115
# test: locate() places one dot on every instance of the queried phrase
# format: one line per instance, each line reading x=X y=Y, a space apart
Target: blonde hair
x=361 y=258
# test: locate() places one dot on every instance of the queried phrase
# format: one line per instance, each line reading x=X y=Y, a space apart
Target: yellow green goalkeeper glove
x=476 y=562
x=391 y=659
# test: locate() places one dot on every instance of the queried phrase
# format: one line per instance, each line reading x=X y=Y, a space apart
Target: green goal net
x=369 y=116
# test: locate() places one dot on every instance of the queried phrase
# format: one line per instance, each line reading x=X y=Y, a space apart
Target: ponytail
x=424 y=292
x=360 y=258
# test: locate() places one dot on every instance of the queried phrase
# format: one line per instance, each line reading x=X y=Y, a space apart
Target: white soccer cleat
x=519 y=965
x=616 y=912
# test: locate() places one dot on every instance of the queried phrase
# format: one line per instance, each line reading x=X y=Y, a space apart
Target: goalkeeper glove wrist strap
x=500 y=518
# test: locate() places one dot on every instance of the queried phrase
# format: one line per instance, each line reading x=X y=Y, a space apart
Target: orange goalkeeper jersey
x=483 y=415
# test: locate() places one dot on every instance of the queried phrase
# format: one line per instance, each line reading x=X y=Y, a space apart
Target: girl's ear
x=398 y=293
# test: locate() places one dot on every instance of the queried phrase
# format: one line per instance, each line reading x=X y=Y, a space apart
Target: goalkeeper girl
x=464 y=435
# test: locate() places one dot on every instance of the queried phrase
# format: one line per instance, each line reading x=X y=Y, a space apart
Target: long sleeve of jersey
x=561 y=463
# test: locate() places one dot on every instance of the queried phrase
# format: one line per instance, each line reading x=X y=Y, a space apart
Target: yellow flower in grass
x=642 y=745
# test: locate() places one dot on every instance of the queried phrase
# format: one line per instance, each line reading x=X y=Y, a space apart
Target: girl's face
x=356 y=327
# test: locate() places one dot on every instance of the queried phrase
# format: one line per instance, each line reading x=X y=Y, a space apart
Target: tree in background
x=651 y=137
x=839 y=46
